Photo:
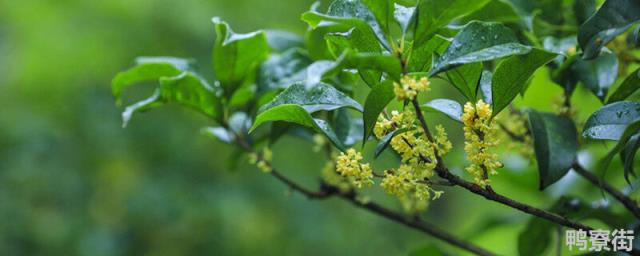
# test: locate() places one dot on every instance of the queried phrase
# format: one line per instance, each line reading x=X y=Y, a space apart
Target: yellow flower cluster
x=419 y=159
x=410 y=86
x=263 y=160
x=349 y=165
x=480 y=136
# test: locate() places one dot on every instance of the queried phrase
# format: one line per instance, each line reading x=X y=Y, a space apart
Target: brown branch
x=489 y=194
x=628 y=203
x=414 y=223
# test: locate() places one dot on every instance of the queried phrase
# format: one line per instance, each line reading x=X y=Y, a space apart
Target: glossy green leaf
x=485 y=86
x=348 y=128
x=629 y=131
x=298 y=115
x=477 y=42
x=235 y=56
x=383 y=11
x=583 y=9
x=403 y=15
x=431 y=15
x=384 y=142
x=422 y=56
x=612 y=19
x=597 y=74
x=379 y=62
x=356 y=42
x=610 y=121
x=148 y=68
x=281 y=70
x=352 y=13
x=281 y=41
x=555 y=143
x=630 y=85
x=495 y=10
x=633 y=39
x=313 y=98
x=450 y=108
x=465 y=78
x=512 y=74
x=628 y=154
x=186 y=89
x=377 y=99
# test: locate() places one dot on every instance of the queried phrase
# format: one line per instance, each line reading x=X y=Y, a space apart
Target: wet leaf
x=612 y=19
x=610 y=121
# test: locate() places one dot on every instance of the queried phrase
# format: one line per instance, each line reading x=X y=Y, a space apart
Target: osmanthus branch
x=444 y=173
x=327 y=191
x=414 y=223
x=628 y=203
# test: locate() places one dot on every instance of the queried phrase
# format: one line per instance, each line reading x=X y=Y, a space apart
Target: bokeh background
x=74 y=182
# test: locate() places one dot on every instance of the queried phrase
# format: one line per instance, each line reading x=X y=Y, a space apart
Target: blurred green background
x=73 y=182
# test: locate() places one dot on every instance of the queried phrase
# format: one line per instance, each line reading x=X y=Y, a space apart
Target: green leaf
x=555 y=143
x=352 y=13
x=384 y=142
x=485 y=86
x=536 y=237
x=313 y=98
x=630 y=85
x=186 y=89
x=235 y=56
x=377 y=62
x=451 y=108
x=628 y=154
x=281 y=70
x=403 y=16
x=148 y=68
x=355 y=41
x=298 y=115
x=383 y=11
x=597 y=74
x=629 y=131
x=633 y=39
x=583 y=9
x=465 y=78
x=377 y=99
x=495 y=10
x=610 y=121
x=512 y=74
x=430 y=250
x=431 y=15
x=612 y=19
x=348 y=128
x=422 y=56
x=281 y=41
x=477 y=42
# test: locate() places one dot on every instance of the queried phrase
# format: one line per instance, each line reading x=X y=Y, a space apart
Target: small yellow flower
x=348 y=165
x=409 y=87
x=480 y=136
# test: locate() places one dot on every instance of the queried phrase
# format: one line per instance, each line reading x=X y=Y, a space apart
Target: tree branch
x=327 y=191
x=631 y=205
x=489 y=194
x=414 y=223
